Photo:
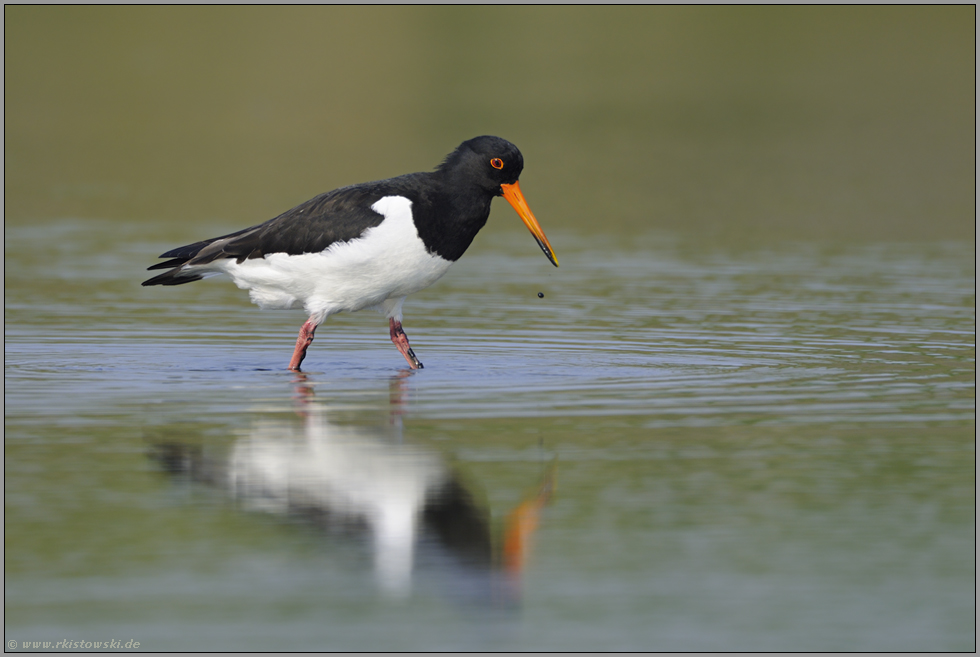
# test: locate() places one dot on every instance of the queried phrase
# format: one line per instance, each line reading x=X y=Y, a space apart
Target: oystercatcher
x=364 y=246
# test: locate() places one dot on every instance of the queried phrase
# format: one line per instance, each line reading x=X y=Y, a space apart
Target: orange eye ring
x=497 y=163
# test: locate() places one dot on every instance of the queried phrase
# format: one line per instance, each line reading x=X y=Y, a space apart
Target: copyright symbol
x=12 y=644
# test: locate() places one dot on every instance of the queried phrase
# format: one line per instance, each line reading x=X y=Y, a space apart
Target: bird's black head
x=486 y=161
x=493 y=165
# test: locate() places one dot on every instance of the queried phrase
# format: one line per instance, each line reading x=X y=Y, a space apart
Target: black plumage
x=337 y=216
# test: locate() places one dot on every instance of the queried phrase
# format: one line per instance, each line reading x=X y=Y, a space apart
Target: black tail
x=182 y=255
x=177 y=275
x=173 y=277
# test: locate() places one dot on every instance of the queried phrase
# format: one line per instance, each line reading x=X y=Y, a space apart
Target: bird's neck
x=450 y=218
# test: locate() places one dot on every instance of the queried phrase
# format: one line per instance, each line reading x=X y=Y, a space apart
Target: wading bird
x=364 y=246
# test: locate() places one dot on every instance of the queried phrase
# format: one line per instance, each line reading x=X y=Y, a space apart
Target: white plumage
x=379 y=269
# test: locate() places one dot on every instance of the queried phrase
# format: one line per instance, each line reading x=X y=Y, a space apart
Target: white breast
x=389 y=261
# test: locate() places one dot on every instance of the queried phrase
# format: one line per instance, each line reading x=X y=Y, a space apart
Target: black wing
x=338 y=216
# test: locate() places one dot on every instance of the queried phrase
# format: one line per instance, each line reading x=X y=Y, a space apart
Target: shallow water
x=675 y=448
x=752 y=430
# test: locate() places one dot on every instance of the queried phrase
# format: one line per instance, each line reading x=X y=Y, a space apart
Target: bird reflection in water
x=416 y=508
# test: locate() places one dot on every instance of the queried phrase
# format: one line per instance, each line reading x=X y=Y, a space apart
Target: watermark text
x=71 y=644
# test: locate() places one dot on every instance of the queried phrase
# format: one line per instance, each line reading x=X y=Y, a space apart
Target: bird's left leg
x=302 y=343
x=401 y=341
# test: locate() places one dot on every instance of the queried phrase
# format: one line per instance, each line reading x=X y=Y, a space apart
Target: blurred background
x=748 y=123
x=742 y=416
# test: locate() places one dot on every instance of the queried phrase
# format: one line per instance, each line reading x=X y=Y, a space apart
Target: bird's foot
x=400 y=339
x=413 y=361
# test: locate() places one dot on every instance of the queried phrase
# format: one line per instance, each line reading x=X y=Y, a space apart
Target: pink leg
x=302 y=342
x=401 y=341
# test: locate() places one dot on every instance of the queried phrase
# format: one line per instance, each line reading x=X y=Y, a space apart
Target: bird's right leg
x=401 y=341
x=302 y=343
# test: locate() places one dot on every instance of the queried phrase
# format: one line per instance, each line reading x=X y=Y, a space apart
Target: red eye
x=497 y=163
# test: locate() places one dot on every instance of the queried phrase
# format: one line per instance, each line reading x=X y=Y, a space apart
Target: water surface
x=762 y=449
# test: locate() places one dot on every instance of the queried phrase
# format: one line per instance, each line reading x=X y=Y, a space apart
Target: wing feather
x=311 y=227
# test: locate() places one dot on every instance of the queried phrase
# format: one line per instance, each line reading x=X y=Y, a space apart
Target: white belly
x=388 y=261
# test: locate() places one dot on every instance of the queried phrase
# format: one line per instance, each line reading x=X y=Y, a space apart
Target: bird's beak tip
x=514 y=196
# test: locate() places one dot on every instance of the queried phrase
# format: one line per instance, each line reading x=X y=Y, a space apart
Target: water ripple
x=872 y=334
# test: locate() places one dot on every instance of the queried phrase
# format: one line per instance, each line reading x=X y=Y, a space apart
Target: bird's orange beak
x=513 y=195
